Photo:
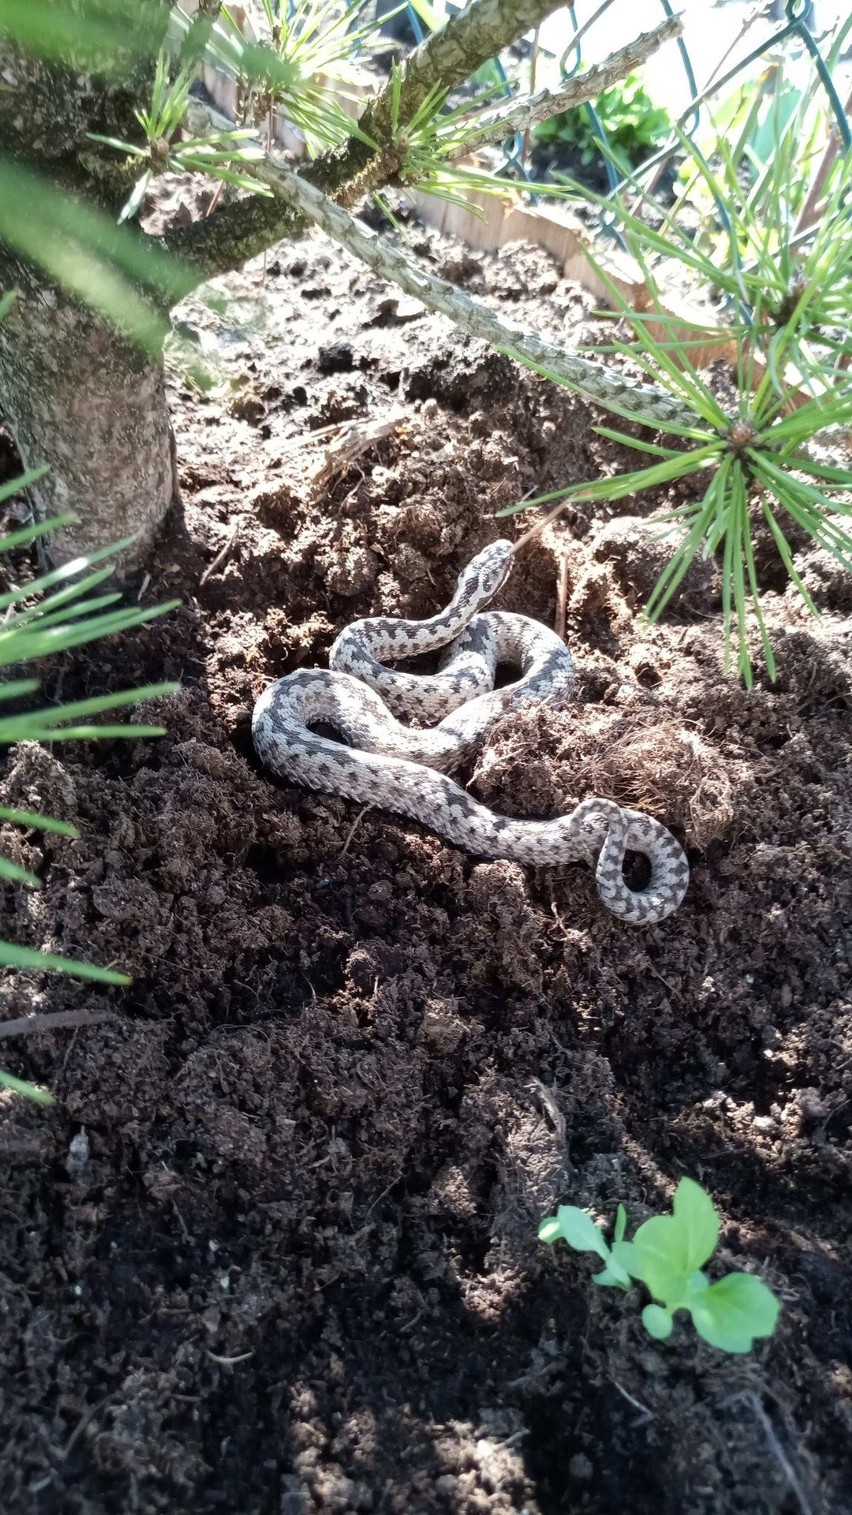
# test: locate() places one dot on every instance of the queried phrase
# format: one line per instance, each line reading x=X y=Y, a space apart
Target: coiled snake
x=404 y=768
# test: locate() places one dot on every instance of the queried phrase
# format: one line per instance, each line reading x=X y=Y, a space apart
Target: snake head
x=491 y=568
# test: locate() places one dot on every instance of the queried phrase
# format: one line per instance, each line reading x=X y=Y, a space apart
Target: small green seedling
x=666 y=1255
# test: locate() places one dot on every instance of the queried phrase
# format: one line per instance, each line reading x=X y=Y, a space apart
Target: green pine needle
x=783 y=292
x=51 y=614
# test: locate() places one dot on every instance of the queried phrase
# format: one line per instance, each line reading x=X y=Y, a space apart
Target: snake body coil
x=404 y=768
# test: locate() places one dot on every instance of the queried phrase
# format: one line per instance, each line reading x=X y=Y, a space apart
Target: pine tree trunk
x=78 y=398
x=93 y=408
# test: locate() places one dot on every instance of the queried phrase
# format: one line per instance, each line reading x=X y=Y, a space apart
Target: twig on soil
x=526 y=1379
x=637 y=1405
x=81 y=1426
x=512 y=1441
x=561 y=598
x=55 y=1020
x=185 y=1231
x=352 y=829
x=304 y=438
x=552 y=1109
x=385 y=1192
x=221 y=556
x=216 y=197
x=780 y=1455
x=660 y=980
x=538 y=528
x=356 y=438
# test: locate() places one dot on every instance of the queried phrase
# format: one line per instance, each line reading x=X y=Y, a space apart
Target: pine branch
x=527 y=347
x=521 y=114
x=241 y=229
x=308 y=204
x=480 y=32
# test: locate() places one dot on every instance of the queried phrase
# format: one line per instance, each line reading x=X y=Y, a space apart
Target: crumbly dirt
x=296 y=1268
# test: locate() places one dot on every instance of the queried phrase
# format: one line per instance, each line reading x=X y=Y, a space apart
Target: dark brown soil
x=298 y=1271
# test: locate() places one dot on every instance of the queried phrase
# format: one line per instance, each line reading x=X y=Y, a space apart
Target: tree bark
x=78 y=397
x=93 y=408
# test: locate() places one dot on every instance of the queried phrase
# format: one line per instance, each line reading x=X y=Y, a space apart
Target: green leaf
x=657 y=1322
x=22 y=645
x=104 y=36
x=12 y=956
x=668 y=1249
x=56 y=575
x=696 y=1284
x=127 y=278
x=637 y=443
x=136 y=197
x=14 y=688
x=90 y=733
x=44 y=616
x=58 y=597
x=549 y=1231
x=620 y=1223
x=130 y=148
x=612 y=1276
x=17 y=875
x=694 y=1213
x=730 y=1314
x=659 y=1258
x=29 y=1091
x=26 y=534
x=38 y=822
x=624 y=1253
x=579 y=1230
x=17 y=728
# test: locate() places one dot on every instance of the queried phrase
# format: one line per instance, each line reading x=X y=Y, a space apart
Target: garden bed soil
x=292 y=1266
